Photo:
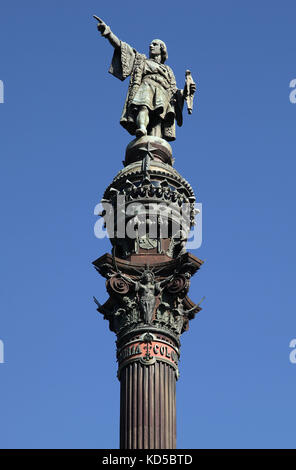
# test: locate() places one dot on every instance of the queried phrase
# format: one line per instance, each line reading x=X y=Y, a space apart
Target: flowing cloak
x=151 y=84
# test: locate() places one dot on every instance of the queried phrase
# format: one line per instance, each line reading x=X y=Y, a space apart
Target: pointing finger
x=98 y=19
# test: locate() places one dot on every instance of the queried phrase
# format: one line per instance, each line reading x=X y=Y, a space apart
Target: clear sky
x=61 y=145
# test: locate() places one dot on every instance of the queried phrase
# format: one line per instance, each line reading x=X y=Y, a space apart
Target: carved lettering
x=156 y=349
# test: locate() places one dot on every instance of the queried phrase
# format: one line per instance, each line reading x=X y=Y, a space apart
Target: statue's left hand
x=192 y=88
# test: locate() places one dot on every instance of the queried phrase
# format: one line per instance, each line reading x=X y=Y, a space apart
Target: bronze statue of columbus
x=153 y=101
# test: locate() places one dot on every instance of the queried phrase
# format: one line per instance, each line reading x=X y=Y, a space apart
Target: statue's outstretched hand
x=102 y=27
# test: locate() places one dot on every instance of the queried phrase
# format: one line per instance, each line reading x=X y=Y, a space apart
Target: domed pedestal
x=158 y=149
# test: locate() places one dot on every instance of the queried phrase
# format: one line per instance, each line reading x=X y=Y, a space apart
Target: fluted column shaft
x=148 y=406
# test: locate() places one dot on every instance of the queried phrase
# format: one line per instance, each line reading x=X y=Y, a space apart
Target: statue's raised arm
x=153 y=102
x=107 y=33
x=123 y=60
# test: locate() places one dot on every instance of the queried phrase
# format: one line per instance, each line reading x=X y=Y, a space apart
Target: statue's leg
x=156 y=128
x=142 y=121
x=155 y=125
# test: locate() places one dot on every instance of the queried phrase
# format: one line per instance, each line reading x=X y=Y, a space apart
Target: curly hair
x=163 y=49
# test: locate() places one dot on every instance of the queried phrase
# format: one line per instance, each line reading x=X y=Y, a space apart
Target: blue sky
x=61 y=145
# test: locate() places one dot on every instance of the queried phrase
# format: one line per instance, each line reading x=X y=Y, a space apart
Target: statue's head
x=158 y=47
x=147 y=276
